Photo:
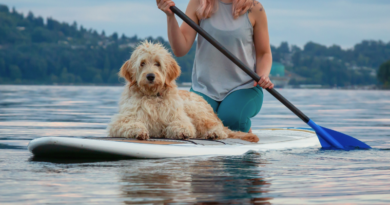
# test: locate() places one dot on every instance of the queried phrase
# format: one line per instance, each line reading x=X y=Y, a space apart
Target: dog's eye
x=142 y=64
x=157 y=64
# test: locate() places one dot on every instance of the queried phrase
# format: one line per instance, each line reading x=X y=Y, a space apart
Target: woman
x=241 y=26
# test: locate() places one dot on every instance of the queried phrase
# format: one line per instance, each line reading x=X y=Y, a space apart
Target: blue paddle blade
x=331 y=139
x=346 y=140
x=323 y=142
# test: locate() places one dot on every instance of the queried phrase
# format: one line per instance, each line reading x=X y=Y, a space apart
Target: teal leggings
x=238 y=107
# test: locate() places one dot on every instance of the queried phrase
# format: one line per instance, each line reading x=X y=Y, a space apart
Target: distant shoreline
x=188 y=86
x=38 y=51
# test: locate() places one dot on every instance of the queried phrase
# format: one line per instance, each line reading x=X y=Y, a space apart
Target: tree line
x=334 y=66
x=33 y=51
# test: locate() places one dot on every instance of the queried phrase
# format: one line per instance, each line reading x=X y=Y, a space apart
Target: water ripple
x=296 y=176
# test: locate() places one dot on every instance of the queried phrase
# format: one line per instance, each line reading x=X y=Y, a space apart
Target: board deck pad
x=105 y=147
x=164 y=141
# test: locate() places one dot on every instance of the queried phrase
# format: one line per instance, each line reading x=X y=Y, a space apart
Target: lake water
x=301 y=176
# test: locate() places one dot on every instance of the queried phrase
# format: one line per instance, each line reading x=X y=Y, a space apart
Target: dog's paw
x=137 y=131
x=182 y=135
x=181 y=132
x=212 y=136
x=142 y=136
x=250 y=137
x=216 y=135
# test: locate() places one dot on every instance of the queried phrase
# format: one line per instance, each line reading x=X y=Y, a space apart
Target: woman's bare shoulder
x=257 y=12
x=194 y=4
x=257 y=7
x=192 y=7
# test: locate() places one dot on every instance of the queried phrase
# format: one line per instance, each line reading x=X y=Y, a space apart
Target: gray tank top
x=213 y=73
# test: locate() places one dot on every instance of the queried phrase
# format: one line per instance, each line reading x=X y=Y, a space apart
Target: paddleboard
x=104 y=147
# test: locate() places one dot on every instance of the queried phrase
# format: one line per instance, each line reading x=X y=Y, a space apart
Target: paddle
x=328 y=138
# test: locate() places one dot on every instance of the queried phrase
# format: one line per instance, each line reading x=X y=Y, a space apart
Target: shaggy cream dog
x=152 y=106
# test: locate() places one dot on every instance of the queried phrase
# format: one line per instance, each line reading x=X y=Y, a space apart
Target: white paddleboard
x=270 y=139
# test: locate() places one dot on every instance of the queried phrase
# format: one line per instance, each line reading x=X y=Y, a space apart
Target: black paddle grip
x=235 y=60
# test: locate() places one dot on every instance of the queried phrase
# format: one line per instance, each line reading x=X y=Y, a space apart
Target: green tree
x=64 y=75
x=284 y=47
x=15 y=72
x=3 y=70
x=114 y=78
x=4 y=8
x=78 y=79
x=40 y=35
x=71 y=78
x=114 y=36
x=123 y=38
x=106 y=69
x=384 y=74
x=98 y=79
x=53 y=78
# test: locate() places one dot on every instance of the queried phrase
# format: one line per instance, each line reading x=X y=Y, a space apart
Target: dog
x=151 y=105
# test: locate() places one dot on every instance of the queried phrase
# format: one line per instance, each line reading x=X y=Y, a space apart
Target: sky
x=328 y=22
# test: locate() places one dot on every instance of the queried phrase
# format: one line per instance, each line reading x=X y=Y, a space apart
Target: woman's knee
x=245 y=125
x=237 y=109
x=235 y=121
x=229 y=119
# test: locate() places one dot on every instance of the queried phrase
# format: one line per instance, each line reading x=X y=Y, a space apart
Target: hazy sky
x=342 y=22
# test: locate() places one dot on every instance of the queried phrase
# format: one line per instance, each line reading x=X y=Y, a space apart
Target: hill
x=334 y=66
x=34 y=51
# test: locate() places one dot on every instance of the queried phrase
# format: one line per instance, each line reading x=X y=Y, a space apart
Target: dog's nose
x=150 y=77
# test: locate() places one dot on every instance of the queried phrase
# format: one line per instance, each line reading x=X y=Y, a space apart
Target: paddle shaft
x=235 y=60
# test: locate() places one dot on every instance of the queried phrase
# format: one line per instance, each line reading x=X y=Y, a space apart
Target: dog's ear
x=127 y=73
x=173 y=71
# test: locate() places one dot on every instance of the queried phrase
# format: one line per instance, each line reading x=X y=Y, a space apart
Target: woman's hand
x=165 y=5
x=264 y=82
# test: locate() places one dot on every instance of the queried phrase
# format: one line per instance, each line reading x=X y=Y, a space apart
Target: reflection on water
x=208 y=180
x=276 y=177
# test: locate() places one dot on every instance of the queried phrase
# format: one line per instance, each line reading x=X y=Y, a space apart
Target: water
x=301 y=176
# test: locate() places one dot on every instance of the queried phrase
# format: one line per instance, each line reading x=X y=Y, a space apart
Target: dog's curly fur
x=157 y=108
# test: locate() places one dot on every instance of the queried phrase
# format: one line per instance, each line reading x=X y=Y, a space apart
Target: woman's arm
x=181 y=38
x=262 y=45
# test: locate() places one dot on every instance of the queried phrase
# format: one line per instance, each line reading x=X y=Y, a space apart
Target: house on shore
x=278 y=75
